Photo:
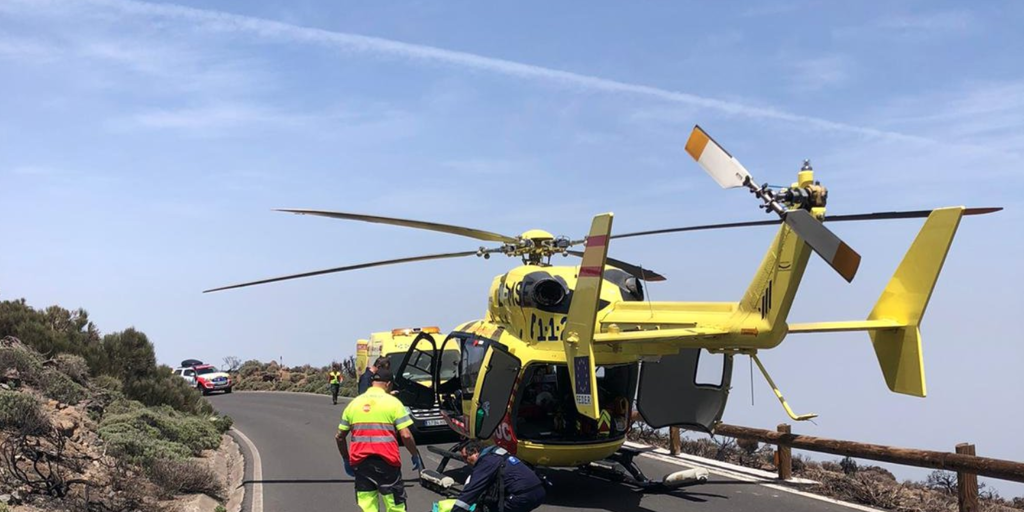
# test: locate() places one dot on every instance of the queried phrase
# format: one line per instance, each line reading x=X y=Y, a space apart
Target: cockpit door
x=497 y=380
x=677 y=391
x=414 y=378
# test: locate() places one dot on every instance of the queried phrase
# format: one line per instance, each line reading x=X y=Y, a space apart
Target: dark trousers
x=525 y=502
x=374 y=476
x=334 y=392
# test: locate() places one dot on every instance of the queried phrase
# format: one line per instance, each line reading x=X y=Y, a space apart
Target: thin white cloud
x=988 y=113
x=489 y=166
x=820 y=73
x=27 y=50
x=33 y=170
x=945 y=22
x=274 y=30
x=915 y=27
x=215 y=117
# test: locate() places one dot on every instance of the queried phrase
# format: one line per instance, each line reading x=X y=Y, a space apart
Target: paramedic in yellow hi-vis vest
x=335 y=381
x=376 y=420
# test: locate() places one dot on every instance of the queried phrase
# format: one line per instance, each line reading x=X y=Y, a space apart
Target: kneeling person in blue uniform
x=499 y=482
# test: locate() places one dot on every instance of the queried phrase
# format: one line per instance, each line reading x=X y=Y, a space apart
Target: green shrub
x=184 y=476
x=222 y=423
x=73 y=366
x=250 y=368
x=144 y=434
x=108 y=383
x=22 y=412
x=141 y=445
x=123 y=406
x=165 y=388
x=60 y=387
x=28 y=363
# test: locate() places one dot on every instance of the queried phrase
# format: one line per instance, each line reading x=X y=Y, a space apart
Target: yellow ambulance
x=394 y=345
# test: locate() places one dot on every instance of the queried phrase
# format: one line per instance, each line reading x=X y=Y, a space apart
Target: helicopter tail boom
x=894 y=322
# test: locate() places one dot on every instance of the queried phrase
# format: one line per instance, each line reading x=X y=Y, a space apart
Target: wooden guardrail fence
x=967 y=465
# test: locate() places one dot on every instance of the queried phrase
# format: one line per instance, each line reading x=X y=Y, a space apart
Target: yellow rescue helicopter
x=553 y=371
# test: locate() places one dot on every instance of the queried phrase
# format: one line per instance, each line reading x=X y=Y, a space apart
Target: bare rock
x=195 y=503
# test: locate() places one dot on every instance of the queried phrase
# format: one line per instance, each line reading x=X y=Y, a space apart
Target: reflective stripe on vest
x=374 y=419
x=335 y=377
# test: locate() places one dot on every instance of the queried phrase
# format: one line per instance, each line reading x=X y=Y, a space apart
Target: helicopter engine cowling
x=548 y=293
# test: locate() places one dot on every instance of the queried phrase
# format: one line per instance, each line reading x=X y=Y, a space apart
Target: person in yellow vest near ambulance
x=376 y=420
x=335 y=379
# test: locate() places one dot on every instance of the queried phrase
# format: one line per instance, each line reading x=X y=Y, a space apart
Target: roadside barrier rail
x=963 y=461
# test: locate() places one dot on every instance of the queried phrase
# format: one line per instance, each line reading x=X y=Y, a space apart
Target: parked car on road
x=210 y=379
x=205 y=377
x=188 y=374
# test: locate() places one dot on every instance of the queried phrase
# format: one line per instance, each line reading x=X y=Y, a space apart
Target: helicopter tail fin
x=905 y=299
x=582 y=319
x=894 y=322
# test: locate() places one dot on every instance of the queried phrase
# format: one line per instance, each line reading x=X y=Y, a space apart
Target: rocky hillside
x=256 y=376
x=98 y=427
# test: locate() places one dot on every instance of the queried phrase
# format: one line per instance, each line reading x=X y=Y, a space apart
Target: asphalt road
x=302 y=471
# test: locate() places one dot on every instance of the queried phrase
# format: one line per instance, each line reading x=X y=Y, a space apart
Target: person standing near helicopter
x=367 y=377
x=376 y=422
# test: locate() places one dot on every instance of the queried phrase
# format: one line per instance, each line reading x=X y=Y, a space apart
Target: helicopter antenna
x=643 y=277
x=751 y=361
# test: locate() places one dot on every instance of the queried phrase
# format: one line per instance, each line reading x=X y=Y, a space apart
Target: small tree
x=232 y=364
x=348 y=367
x=942 y=481
x=849 y=465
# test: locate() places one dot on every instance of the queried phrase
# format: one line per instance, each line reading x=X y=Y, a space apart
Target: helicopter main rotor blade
x=636 y=271
x=830 y=247
x=477 y=234
x=909 y=214
x=346 y=268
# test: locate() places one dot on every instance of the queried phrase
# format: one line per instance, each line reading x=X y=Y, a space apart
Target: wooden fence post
x=785 y=454
x=675 y=443
x=967 y=483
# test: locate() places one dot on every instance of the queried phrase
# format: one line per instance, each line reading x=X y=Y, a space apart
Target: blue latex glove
x=348 y=469
x=417 y=462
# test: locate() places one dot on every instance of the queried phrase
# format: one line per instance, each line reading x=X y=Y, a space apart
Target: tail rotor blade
x=715 y=160
x=834 y=251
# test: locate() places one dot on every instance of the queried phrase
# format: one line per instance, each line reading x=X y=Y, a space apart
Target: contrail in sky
x=275 y=30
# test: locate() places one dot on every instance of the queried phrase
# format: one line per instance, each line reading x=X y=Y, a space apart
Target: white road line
x=739 y=475
x=257 y=472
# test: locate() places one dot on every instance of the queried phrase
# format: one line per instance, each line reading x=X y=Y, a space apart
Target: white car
x=209 y=379
x=188 y=374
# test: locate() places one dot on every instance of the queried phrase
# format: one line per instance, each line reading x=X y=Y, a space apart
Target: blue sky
x=142 y=146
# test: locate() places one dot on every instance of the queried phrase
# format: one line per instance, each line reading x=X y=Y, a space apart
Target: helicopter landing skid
x=620 y=467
